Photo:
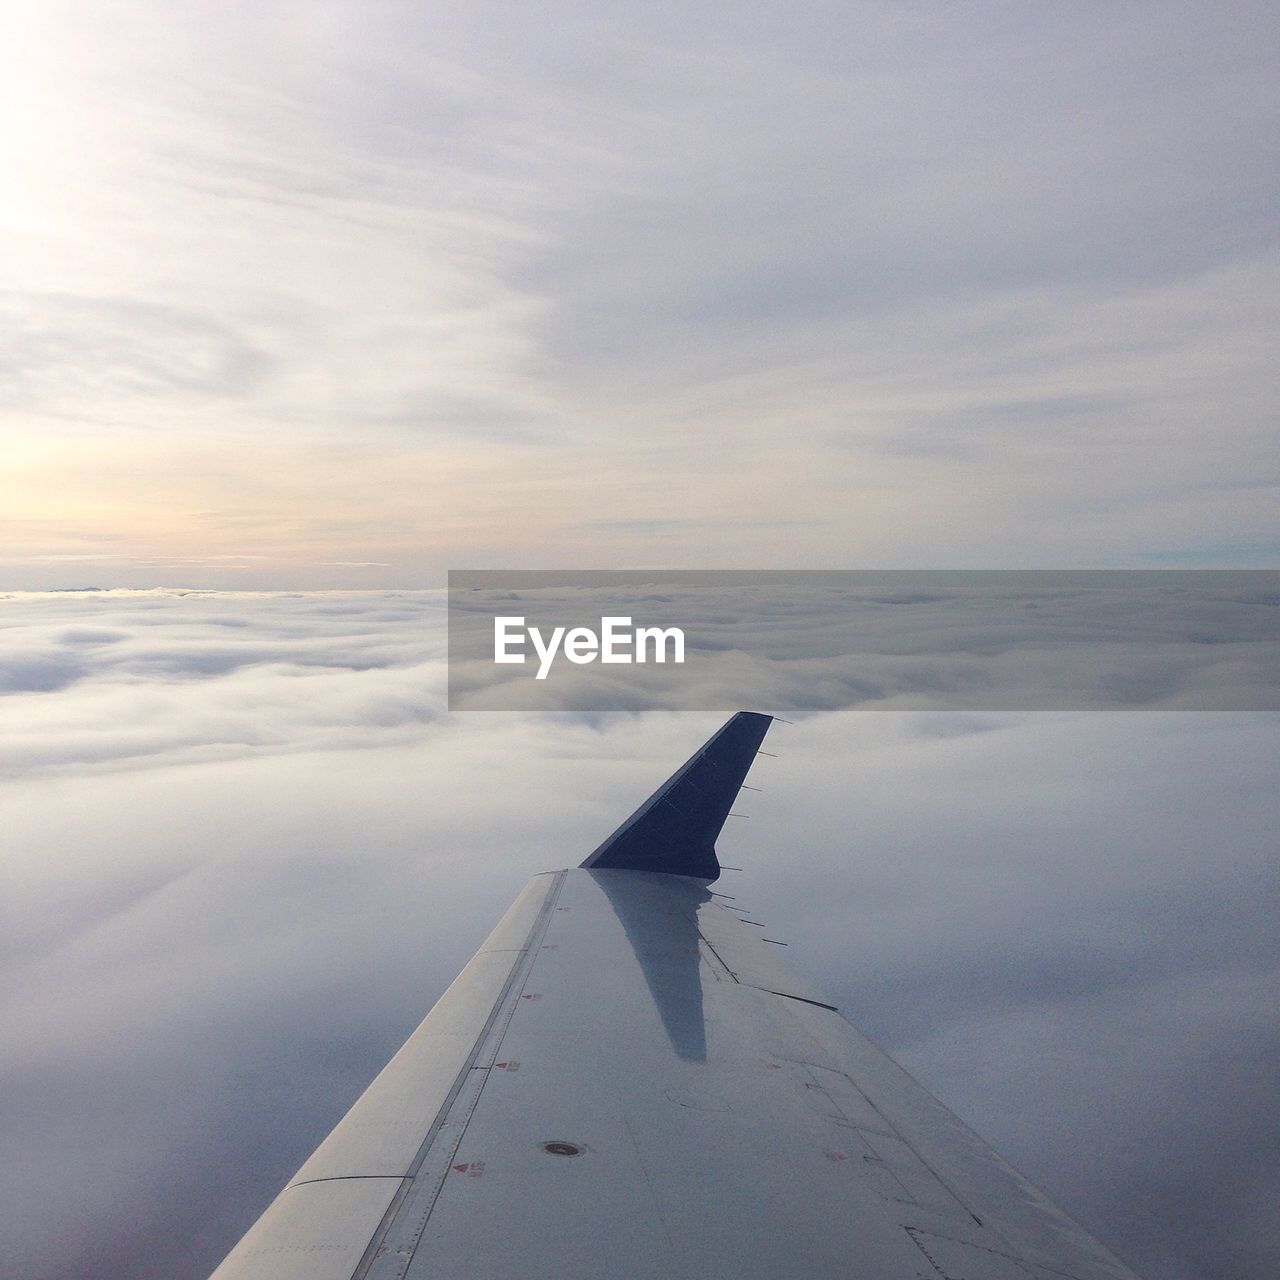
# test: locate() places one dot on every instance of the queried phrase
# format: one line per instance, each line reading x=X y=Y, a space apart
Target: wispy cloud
x=920 y=286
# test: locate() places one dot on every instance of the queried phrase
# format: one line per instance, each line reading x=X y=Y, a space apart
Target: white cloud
x=247 y=850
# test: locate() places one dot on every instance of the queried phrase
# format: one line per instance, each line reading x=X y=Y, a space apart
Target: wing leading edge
x=627 y=1082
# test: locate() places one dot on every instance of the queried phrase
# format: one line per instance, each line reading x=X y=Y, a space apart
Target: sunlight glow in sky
x=345 y=294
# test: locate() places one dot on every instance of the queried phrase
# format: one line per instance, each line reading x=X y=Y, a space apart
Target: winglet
x=675 y=830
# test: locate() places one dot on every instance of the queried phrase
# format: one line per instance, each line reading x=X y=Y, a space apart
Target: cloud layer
x=804 y=641
x=248 y=850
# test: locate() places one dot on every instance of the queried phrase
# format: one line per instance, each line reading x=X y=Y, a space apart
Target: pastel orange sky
x=349 y=297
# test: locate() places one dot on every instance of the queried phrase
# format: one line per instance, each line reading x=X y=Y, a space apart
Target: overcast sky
x=247 y=848
x=340 y=294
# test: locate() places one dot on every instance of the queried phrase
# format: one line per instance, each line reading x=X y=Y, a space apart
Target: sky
x=345 y=294
x=247 y=847
x=303 y=305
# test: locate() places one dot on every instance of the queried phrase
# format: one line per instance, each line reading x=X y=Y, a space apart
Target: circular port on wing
x=562 y=1148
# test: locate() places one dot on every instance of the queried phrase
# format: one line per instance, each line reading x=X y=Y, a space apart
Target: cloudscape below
x=248 y=850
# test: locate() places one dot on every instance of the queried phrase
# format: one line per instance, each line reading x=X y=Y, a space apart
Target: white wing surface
x=627 y=1082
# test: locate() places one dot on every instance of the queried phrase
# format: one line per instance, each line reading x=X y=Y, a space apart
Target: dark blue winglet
x=675 y=830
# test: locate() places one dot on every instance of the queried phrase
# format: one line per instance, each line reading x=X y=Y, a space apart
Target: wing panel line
x=505 y=1002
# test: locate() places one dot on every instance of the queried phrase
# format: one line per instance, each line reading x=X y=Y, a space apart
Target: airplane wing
x=626 y=1081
